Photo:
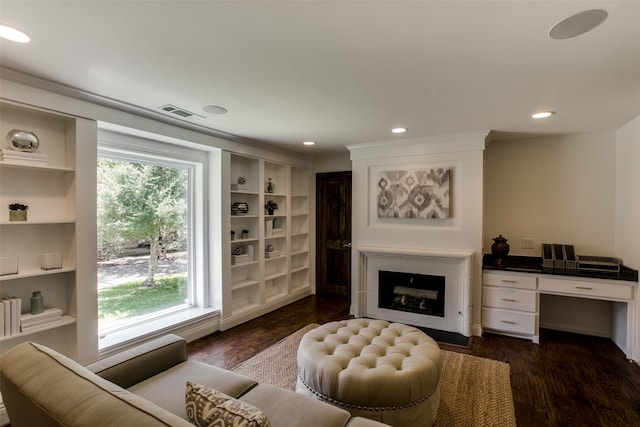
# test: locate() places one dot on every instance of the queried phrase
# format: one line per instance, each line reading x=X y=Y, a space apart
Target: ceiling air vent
x=172 y=109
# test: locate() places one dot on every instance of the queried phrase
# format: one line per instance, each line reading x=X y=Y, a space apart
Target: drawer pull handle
x=508 y=281
x=510 y=322
x=508 y=300
x=586 y=288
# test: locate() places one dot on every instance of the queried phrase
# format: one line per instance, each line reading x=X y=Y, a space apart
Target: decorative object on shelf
x=245 y=234
x=8 y=265
x=51 y=261
x=37 y=302
x=271 y=252
x=239 y=208
x=270 y=248
x=241 y=185
x=238 y=251
x=271 y=206
x=18 y=212
x=233 y=235
x=22 y=140
x=270 y=187
x=500 y=250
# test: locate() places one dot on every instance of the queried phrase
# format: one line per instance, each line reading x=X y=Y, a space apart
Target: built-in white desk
x=518 y=300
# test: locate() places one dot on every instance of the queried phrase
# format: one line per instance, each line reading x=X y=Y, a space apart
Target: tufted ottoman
x=387 y=372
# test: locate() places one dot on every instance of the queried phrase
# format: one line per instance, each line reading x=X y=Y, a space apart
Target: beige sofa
x=144 y=386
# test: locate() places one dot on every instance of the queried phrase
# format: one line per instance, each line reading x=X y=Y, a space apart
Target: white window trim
x=136 y=145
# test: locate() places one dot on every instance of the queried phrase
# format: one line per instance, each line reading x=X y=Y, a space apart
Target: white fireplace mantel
x=456 y=266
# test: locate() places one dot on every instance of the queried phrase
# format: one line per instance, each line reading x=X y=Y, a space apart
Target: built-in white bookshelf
x=260 y=252
x=49 y=188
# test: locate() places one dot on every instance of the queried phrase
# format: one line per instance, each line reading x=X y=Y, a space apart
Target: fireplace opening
x=415 y=293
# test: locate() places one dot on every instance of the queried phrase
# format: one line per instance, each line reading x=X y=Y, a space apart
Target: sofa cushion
x=167 y=388
x=141 y=362
x=284 y=408
x=207 y=407
x=43 y=388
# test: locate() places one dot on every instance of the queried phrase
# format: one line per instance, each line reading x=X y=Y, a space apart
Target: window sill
x=117 y=341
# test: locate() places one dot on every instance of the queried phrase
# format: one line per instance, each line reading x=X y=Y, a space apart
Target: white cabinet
x=510 y=304
x=517 y=304
x=266 y=256
x=49 y=188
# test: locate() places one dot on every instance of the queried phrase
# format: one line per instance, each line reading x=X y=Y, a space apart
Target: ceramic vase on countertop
x=500 y=250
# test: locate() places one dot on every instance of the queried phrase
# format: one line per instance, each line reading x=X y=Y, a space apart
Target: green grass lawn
x=131 y=299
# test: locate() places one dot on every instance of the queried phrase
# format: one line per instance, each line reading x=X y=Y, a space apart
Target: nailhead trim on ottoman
x=385 y=371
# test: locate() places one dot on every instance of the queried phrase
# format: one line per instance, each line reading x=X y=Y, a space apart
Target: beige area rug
x=474 y=391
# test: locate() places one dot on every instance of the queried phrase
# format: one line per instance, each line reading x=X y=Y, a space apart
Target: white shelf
x=39 y=222
x=243 y=264
x=275 y=276
x=50 y=168
x=298 y=269
x=244 y=284
x=250 y=239
x=66 y=320
x=35 y=273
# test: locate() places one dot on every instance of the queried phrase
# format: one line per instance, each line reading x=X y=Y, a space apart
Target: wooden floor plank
x=567 y=380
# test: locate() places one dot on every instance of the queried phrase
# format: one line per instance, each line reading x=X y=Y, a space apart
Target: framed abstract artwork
x=418 y=193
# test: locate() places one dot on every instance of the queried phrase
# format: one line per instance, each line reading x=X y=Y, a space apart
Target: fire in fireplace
x=415 y=293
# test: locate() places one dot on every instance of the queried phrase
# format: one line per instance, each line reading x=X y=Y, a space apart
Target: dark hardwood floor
x=567 y=380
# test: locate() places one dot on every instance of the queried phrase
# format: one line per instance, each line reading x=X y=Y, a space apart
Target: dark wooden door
x=333 y=234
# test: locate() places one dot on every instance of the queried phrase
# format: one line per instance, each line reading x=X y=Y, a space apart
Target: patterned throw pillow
x=207 y=407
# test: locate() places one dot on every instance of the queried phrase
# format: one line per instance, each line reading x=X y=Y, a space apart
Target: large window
x=150 y=261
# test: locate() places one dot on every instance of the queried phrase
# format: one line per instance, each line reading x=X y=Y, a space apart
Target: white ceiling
x=341 y=72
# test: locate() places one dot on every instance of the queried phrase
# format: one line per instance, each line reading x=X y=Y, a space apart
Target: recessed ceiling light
x=577 y=24
x=542 y=115
x=399 y=130
x=13 y=34
x=308 y=143
x=214 y=109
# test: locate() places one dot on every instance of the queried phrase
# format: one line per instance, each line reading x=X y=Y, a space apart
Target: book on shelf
x=11 y=317
x=48 y=313
x=33 y=322
x=241 y=187
x=40 y=326
x=277 y=231
x=23 y=158
x=272 y=254
x=238 y=259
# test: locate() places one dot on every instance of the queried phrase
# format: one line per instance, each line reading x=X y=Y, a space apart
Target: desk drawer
x=509 y=320
x=592 y=289
x=509 y=281
x=512 y=299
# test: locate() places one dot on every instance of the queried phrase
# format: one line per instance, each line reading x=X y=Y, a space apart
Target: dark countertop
x=526 y=264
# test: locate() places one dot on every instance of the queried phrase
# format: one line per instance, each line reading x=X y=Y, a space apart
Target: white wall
x=627 y=232
x=332 y=163
x=554 y=190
